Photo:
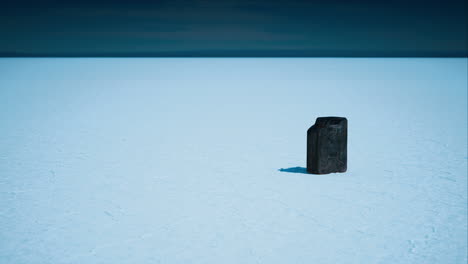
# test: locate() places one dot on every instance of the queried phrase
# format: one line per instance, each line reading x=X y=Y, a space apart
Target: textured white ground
x=177 y=161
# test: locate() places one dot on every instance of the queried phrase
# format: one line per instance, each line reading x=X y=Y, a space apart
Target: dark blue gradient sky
x=234 y=28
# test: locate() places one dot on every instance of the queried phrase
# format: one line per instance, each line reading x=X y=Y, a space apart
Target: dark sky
x=234 y=28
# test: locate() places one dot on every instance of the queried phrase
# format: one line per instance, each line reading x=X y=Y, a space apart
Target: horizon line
x=237 y=54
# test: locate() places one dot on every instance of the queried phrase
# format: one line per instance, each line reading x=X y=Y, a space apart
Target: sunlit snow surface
x=178 y=161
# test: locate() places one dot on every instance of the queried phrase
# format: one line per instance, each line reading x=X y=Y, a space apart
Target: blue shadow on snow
x=295 y=170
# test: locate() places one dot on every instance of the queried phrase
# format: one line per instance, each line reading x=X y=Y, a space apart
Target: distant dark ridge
x=244 y=54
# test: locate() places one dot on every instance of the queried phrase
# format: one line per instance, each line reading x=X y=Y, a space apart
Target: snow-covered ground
x=178 y=161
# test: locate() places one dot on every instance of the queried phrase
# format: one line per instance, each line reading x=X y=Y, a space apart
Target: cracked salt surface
x=185 y=161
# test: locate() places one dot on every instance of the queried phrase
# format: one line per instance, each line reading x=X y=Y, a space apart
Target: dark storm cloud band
x=235 y=28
